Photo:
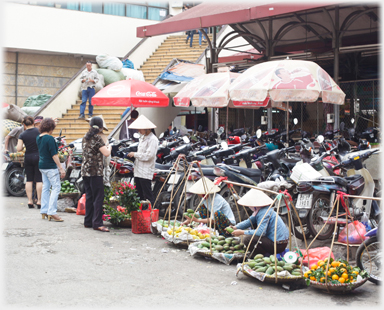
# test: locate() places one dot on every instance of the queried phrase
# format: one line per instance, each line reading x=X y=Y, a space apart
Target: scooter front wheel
x=368 y=258
x=320 y=209
x=14 y=182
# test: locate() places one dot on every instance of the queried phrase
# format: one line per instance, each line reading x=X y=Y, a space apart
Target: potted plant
x=128 y=201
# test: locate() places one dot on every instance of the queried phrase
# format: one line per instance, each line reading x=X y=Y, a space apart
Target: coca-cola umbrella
x=286 y=81
x=138 y=94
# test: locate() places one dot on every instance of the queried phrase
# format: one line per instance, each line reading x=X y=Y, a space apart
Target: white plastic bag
x=109 y=62
x=64 y=203
x=133 y=74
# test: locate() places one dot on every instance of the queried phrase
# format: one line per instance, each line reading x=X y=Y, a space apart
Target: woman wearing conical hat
x=145 y=157
x=221 y=215
x=259 y=203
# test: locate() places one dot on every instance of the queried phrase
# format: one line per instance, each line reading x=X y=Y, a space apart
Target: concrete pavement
x=49 y=264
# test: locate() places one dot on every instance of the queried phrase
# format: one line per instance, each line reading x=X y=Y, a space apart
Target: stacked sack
x=110 y=68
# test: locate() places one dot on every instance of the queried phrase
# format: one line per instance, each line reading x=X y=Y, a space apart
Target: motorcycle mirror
x=243 y=137
x=320 y=139
x=258 y=133
x=136 y=135
x=185 y=139
x=352 y=120
x=224 y=145
x=295 y=121
x=200 y=128
x=60 y=132
x=161 y=135
x=220 y=131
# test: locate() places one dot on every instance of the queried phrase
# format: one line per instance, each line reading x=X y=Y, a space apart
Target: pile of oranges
x=339 y=271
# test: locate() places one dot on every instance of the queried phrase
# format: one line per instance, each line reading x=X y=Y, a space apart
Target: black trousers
x=265 y=245
x=144 y=189
x=94 y=195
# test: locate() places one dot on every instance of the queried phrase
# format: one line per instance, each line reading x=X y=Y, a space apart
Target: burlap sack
x=15 y=113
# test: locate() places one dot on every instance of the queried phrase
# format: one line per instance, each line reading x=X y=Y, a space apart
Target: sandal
x=31 y=206
x=87 y=226
x=102 y=228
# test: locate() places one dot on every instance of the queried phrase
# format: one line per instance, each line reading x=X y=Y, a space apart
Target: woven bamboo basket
x=208 y=254
x=342 y=288
x=69 y=195
x=272 y=278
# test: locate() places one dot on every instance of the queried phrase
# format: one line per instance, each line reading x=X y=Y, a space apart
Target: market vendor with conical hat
x=145 y=157
x=259 y=203
x=219 y=214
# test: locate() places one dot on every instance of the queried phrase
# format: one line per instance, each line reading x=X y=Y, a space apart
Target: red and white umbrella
x=138 y=94
x=208 y=90
x=286 y=81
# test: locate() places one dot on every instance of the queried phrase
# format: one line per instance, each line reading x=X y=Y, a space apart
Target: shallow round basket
x=183 y=244
x=69 y=195
x=208 y=254
x=342 y=288
x=272 y=279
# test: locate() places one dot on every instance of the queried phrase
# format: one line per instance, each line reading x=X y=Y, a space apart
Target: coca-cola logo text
x=146 y=94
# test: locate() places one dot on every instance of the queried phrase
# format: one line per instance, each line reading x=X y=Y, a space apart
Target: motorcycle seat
x=207 y=171
x=163 y=167
x=249 y=172
x=203 y=166
x=338 y=180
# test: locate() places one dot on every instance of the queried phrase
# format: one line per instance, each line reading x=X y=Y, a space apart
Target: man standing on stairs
x=89 y=78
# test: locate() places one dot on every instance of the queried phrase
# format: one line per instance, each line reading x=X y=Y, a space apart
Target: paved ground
x=49 y=264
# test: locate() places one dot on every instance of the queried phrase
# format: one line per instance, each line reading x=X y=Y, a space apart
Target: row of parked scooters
x=264 y=160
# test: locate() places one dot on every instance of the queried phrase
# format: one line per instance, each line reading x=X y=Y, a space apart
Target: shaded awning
x=213 y=14
x=283 y=26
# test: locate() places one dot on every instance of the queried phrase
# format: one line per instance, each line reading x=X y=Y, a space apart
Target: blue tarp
x=173 y=77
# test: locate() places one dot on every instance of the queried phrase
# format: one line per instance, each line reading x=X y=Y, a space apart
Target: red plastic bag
x=354 y=229
x=81 y=206
x=315 y=255
x=141 y=220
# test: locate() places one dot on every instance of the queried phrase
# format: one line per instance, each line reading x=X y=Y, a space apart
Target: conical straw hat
x=142 y=123
x=255 y=198
x=199 y=188
x=101 y=116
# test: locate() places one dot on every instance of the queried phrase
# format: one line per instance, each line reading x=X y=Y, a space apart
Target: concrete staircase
x=173 y=47
x=74 y=128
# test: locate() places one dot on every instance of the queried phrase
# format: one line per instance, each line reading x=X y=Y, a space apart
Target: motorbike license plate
x=4 y=166
x=75 y=173
x=304 y=201
x=174 y=178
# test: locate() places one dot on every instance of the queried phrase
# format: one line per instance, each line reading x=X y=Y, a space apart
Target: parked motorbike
x=368 y=255
x=318 y=195
x=13 y=176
